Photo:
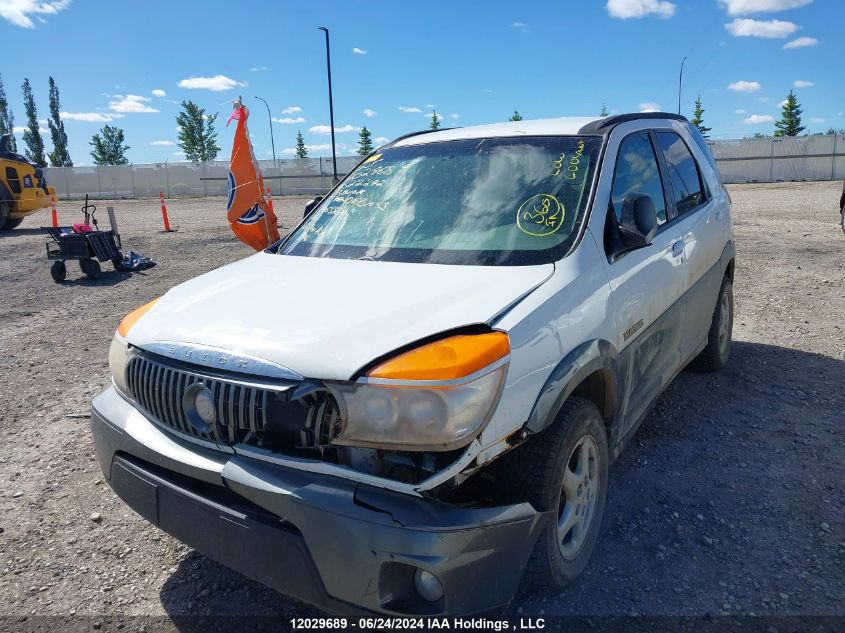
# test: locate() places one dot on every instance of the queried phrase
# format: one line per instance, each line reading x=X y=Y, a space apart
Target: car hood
x=327 y=318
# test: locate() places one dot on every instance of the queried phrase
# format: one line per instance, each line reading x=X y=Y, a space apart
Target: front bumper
x=343 y=546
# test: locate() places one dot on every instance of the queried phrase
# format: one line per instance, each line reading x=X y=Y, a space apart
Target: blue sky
x=475 y=62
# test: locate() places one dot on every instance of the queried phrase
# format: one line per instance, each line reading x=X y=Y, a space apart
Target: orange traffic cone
x=53 y=211
x=164 y=217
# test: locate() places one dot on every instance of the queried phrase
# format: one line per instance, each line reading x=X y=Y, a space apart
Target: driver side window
x=637 y=171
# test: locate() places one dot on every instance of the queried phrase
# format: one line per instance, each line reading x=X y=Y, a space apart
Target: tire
x=91 y=268
x=715 y=355
x=842 y=219
x=58 y=271
x=5 y=212
x=574 y=448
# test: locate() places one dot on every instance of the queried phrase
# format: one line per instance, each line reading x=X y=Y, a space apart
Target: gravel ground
x=731 y=499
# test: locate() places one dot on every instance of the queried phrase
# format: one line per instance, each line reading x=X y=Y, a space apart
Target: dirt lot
x=730 y=501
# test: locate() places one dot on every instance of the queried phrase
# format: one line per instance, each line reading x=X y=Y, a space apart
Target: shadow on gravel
x=729 y=501
x=21 y=232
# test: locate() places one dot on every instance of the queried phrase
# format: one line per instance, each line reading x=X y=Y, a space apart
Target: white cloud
x=781 y=103
x=649 y=106
x=218 y=83
x=770 y=29
x=519 y=26
x=323 y=147
x=258 y=69
x=359 y=51
x=409 y=109
x=380 y=140
x=17 y=11
x=369 y=113
x=800 y=42
x=130 y=103
x=624 y=9
x=165 y=143
x=744 y=7
x=744 y=86
x=289 y=120
x=158 y=92
x=90 y=117
x=325 y=129
x=292 y=110
x=454 y=116
x=429 y=106
x=759 y=119
x=739 y=111
x=816 y=119
x=800 y=83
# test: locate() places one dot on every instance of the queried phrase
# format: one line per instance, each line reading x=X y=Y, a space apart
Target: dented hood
x=327 y=318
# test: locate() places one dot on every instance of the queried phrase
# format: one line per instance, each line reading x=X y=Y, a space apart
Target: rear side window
x=12 y=179
x=705 y=149
x=683 y=172
x=637 y=172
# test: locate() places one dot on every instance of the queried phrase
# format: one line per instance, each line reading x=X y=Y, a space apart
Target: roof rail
x=417 y=133
x=606 y=124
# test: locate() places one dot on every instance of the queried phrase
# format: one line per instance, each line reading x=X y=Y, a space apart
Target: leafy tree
x=435 y=120
x=365 y=142
x=109 y=149
x=197 y=136
x=603 y=112
x=697 y=121
x=516 y=116
x=790 y=118
x=7 y=119
x=301 y=150
x=59 y=157
x=32 y=135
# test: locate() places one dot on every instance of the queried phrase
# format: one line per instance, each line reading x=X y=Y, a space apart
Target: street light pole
x=272 y=142
x=331 y=105
x=680 y=79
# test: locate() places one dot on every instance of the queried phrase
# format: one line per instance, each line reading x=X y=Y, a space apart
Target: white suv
x=409 y=404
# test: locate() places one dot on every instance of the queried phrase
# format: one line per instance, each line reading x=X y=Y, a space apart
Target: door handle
x=678 y=248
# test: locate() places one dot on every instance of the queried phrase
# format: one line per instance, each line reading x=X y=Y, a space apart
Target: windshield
x=496 y=201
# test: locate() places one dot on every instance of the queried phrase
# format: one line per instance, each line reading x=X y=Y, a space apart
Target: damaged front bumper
x=341 y=545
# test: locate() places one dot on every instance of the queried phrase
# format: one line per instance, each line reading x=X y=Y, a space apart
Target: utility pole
x=331 y=105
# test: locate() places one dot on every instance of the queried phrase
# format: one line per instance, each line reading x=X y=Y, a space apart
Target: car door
x=647 y=284
x=700 y=221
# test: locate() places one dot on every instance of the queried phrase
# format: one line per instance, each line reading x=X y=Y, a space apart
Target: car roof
x=562 y=126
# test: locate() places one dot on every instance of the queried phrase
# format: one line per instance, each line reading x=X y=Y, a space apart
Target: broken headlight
x=437 y=397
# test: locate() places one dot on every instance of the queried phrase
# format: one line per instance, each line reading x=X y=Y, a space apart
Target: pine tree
x=32 y=135
x=697 y=121
x=516 y=116
x=603 y=112
x=435 y=120
x=301 y=150
x=59 y=157
x=365 y=142
x=109 y=149
x=790 y=118
x=7 y=119
x=197 y=136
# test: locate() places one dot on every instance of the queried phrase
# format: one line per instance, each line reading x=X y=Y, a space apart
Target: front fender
x=587 y=358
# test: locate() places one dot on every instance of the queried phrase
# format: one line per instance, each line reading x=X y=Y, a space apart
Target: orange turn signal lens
x=132 y=318
x=447 y=359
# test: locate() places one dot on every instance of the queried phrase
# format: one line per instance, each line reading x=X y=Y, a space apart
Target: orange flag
x=250 y=215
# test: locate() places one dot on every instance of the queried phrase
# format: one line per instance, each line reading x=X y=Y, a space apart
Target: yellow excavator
x=23 y=188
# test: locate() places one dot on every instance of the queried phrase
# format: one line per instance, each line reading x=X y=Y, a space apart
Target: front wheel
x=91 y=268
x=5 y=219
x=58 y=271
x=564 y=469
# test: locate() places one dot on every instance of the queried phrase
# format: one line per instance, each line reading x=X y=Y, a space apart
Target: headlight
x=437 y=397
x=118 y=359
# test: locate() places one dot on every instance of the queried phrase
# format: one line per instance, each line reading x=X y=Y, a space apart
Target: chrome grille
x=159 y=388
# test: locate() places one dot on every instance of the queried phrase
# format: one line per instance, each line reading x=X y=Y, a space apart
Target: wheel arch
x=589 y=371
x=728 y=260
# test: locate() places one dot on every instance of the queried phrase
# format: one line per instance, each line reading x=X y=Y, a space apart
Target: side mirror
x=309 y=206
x=639 y=221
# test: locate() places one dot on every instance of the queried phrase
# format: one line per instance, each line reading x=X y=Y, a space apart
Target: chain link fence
x=742 y=160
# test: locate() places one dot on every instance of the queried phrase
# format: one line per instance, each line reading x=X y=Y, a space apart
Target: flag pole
x=331 y=105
